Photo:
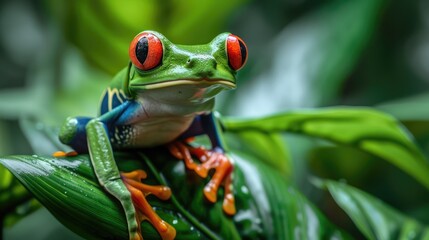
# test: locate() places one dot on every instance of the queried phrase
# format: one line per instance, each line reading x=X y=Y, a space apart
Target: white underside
x=166 y=113
x=159 y=131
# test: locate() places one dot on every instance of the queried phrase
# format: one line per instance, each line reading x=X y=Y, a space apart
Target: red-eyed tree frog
x=165 y=96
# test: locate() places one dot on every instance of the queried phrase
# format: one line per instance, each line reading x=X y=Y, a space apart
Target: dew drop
x=244 y=189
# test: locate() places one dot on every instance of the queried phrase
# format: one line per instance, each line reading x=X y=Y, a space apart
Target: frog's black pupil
x=243 y=51
x=142 y=49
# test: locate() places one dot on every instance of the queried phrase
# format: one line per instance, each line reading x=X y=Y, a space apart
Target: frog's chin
x=184 y=92
x=178 y=82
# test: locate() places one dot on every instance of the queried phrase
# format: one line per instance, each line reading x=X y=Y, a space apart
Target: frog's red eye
x=237 y=52
x=146 y=51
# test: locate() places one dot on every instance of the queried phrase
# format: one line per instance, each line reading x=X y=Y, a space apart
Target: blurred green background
x=57 y=56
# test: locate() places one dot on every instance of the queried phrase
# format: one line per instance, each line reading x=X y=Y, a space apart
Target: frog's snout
x=204 y=65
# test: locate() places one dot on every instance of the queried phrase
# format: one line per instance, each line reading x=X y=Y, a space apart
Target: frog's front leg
x=92 y=135
x=126 y=187
x=210 y=159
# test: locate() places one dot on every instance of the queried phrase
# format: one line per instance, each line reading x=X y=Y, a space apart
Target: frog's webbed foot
x=209 y=159
x=139 y=191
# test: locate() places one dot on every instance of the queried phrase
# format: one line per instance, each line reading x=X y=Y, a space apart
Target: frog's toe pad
x=228 y=205
x=210 y=192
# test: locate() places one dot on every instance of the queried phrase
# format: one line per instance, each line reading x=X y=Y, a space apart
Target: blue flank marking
x=104 y=105
x=116 y=100
x=132 y=111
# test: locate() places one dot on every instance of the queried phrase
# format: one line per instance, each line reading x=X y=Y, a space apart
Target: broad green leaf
x=365 y=129
x=343 y=162
x=267 y=205
x=57 y=186
x=269 y=147
x=306 y=64
x=375 y=219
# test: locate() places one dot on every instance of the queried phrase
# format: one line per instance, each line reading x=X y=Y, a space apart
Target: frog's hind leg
x=139 y=191
x=73 y=134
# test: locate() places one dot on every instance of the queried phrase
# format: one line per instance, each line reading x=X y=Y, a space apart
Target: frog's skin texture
x=163 y=97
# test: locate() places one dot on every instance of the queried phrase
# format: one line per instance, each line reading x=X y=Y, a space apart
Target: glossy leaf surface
x=365 y=129
x=375 y=219
x=268 y=206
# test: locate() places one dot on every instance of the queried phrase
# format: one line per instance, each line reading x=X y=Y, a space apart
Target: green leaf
x=50 y=182
x=267 y=205
x=375 y=219
x=363 y=128
x=269 y=147
x=283 y=210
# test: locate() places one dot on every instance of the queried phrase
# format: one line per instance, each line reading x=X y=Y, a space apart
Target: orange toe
x=59 y=154
x=209 y=160
x=139 y=191
x=210 y=192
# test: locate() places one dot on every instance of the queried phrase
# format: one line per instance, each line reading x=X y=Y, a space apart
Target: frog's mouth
x=183 y=91
x=197 y=82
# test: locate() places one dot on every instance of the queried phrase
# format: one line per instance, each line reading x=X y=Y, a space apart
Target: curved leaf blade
x=375 y=219
x=56 y=185
x=284 y=211
x=268 y=147
x=362 y=128
x=267 y=205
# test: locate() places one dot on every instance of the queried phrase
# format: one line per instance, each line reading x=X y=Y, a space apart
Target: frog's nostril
x=190 y=62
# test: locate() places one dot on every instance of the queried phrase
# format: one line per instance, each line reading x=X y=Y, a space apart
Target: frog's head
x=198 y=72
